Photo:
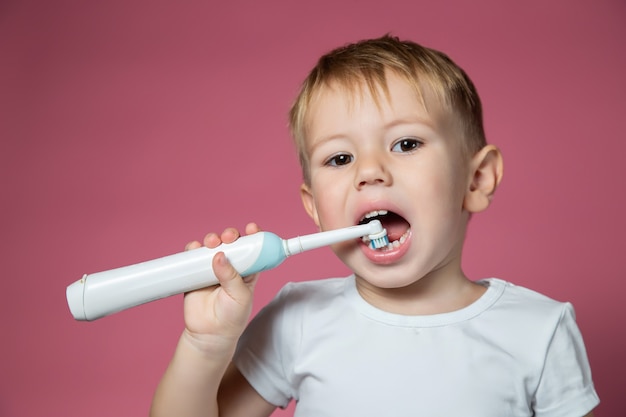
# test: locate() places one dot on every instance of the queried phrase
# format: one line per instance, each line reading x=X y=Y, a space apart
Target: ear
x=486 y=169
x=306 y=194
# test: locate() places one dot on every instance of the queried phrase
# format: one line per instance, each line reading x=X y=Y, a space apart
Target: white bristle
x=378 y=240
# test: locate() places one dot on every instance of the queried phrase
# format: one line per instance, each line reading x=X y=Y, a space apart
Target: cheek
x=329 y=208
x=439 y=191
x=329 y=202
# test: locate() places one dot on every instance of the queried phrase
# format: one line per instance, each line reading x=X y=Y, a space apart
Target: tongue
x=395 y=225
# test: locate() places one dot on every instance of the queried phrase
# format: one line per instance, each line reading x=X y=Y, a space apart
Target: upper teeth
x=375 y=213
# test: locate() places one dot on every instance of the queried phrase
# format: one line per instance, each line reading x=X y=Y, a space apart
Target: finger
x=229 y=278
x=212 y=240
x=229 y=235
x=192 y=245
x=251 y=280
x=252 y=228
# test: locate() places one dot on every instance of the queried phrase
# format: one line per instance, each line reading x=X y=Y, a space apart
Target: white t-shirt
x=513 y=352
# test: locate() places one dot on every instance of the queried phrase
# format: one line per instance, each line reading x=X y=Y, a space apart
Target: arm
x=565 y=382
x=195 y=386
x=237 y=398
x=199 y=370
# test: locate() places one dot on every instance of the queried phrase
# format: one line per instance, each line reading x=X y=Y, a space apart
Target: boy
x=390 y=130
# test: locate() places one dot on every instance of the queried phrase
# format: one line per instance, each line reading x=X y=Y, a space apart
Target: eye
x=406 y=145
x=339 y=160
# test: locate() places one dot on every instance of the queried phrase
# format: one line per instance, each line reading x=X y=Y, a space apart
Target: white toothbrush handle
x=103 y=293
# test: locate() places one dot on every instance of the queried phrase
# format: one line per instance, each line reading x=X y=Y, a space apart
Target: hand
x=216 y=316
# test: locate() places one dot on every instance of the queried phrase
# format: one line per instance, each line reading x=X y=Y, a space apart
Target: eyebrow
x=318 y=141
x=411 y=120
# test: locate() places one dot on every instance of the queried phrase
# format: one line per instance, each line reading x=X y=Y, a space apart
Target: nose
x=371 y=170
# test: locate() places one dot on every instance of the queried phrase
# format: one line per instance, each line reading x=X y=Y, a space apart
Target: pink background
x=130 y=127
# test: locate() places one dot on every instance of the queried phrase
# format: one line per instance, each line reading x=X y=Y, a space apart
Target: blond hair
x=365 y=64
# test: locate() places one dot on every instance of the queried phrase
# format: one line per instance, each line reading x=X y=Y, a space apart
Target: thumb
x=231 y=281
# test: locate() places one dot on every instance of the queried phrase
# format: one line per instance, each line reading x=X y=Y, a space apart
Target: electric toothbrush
x=103 y=293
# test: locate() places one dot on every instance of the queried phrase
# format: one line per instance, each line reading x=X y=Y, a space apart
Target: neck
x=436 y=293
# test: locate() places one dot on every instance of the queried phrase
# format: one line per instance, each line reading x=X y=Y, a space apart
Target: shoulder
x=297 y=300
x=522 y=300
x=297 y=310
x=529 y=314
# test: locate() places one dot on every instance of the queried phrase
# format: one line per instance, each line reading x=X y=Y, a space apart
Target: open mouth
x=398 y=229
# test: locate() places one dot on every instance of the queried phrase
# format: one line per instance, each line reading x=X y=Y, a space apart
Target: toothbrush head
x=378 y=239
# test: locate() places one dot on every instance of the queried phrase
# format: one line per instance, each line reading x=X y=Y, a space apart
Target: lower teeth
x=390 y=245
x=397 y=243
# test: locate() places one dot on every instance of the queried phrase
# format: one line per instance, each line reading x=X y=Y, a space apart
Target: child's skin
x=365 y=154
x=398 y=157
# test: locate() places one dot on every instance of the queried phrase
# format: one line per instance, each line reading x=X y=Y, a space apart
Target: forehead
x=396 y=98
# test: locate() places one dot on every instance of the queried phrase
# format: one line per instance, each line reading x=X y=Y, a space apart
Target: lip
x=386 y=256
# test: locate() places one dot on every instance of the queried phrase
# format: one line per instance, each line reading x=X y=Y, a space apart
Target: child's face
x=395 y=157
